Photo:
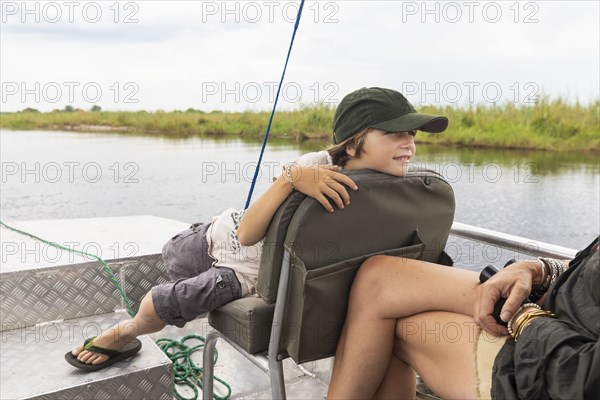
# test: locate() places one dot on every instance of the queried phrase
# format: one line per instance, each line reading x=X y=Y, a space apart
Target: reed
x=549 y=124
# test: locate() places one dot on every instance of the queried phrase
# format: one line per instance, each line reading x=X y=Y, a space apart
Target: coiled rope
x=185 y=371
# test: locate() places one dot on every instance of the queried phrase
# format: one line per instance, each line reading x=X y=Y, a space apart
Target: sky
x=229 y=55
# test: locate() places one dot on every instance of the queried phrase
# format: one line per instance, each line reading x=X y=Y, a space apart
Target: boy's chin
x=402 y=171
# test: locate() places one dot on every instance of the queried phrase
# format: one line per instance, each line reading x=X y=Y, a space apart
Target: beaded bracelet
x=287 y=170
x=557 y=268
x=560 y=265
x=551 y=270
x=539 y=290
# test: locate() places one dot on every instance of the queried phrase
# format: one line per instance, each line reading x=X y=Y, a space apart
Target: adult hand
x=513 y=283
x=319 y=181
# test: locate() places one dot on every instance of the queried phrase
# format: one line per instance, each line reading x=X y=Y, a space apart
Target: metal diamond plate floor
x=246 y=380
x=32 y=365
x=38 y=351
x=40 y=283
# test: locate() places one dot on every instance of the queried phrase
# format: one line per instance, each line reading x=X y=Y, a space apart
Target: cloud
x=177 y=53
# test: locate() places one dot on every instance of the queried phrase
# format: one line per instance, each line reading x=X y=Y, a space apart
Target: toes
x=84 y=356
x=77 y=350
x=91 y=360
x=99 y=359
x=89 y=357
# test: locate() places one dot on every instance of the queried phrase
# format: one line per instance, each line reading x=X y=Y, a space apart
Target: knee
x=371 y=266
x=382 y=276
x=147 y=310
x=370 y=275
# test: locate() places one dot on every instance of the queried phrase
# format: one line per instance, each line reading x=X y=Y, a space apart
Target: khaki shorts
x=486 y=349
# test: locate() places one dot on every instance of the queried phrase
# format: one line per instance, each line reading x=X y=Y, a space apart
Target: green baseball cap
x=384 y=109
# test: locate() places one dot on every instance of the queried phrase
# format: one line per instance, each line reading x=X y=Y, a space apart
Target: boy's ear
x=351 y=149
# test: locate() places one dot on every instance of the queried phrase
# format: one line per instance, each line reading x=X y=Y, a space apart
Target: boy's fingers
x=324 y=202
x=333 y=195
x=341 y=190
x=341 y=178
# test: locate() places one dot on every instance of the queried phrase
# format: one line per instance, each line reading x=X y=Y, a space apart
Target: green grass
x=548 y=124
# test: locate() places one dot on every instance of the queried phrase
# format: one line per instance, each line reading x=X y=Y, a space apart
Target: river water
x=548 y=196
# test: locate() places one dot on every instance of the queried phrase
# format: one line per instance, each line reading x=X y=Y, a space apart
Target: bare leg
x=386 y=289
x=146 y=321
x=399 y=382
x=440 y=346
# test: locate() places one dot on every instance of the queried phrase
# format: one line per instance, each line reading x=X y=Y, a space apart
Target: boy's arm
x=257 y=217
x=314 y=181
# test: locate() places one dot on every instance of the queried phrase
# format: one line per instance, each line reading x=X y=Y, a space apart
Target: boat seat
x=310 y=258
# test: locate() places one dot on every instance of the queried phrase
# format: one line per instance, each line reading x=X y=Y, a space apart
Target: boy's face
x=388 y=152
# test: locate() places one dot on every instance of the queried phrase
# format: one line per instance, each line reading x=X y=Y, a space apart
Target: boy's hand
x=323 y=180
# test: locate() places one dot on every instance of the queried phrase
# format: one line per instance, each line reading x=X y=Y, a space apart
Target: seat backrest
x=385 y=213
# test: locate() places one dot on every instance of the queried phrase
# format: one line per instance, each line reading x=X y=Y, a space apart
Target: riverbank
x=546 y=125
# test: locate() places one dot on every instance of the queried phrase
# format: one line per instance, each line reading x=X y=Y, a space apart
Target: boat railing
x=511 y=242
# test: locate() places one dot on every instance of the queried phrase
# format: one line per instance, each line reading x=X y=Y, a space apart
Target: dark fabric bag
x=317 y=308
x=402 y=216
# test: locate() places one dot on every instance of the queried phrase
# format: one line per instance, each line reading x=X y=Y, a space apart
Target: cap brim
x=413 y=122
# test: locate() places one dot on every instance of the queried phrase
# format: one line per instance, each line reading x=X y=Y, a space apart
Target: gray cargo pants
x=196 y=286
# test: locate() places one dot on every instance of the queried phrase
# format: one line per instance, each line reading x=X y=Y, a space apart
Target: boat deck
x=51 y=301
x=307 y=381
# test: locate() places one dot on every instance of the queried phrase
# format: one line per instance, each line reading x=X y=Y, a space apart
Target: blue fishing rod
x=262 y=150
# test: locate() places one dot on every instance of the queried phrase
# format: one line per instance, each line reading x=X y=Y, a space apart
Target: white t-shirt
x=224 y=245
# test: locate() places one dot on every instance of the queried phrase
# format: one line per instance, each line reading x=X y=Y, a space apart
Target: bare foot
x=114 y=338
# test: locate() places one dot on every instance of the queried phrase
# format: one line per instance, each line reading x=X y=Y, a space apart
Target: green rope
x=108 y=270
x=185 y=371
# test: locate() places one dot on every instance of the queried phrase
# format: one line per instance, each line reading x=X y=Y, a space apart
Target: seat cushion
x=246 y=321
x=386 y=209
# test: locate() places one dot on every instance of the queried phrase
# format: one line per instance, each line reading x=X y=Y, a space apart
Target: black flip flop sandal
x=127 y=351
